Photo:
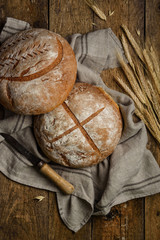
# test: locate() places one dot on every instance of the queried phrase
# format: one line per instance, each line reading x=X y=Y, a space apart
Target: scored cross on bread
x=83 y=130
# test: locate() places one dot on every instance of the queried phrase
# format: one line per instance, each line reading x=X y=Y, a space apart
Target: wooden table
x=23 y=218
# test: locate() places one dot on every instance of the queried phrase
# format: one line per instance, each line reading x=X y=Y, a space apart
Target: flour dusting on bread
x=38 y=70
x=82 y=131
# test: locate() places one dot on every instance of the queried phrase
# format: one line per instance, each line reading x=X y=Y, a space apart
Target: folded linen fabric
x=130 y=172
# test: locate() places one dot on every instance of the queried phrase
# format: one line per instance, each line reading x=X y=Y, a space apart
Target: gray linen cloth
x=130 y=172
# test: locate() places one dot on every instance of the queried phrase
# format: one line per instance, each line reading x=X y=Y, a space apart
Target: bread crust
x=37 y=71
x=83 y=130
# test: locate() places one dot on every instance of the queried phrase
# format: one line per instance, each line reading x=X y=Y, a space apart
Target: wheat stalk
x=96 y=9
x=155 y=60
x=140 y=111
x=126 y=51
x=133 y=43
x=151 y=70
x=141 y=116
x=143 y=82
x=131 y=78
x=138 y=104
x=146 y=87
x=128 y=91
x=136 y=69
x=144 y=90
x=155 y=101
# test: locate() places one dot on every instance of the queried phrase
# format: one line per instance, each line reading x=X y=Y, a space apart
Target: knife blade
x=43 y=167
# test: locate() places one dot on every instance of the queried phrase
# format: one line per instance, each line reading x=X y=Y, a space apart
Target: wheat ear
x=96 y=9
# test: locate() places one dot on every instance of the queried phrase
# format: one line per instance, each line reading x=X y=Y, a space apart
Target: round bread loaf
x=83 y=130
x=37 y=71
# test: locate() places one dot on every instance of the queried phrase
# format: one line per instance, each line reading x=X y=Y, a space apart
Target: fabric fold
x=69 y=211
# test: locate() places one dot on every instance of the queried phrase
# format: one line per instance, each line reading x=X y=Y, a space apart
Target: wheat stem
x=151 y=70
x=128 y=91
x=154 y=60
x=145 y=90
x=155 y=135
x=150 y=103
x=131 y=78
x=133 y=43
x=126 y=51
x=156 y=104
x=144 y=84
x=151 y=123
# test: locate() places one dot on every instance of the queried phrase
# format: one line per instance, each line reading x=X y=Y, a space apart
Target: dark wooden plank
x=128 y=223
x=66 y=18
x=152 y=217
x=152 y=207
x=125 y=221
x=69 y=17
x=107 y=227
x=21 y=216
x=151 y=24
x=33 y=11
x=113 y=11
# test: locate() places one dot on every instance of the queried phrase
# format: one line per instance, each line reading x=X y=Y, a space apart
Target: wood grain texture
x=69 y=17
x=109 y=227
x=130 y=214
x=152 y=26
x=21 y=216
x=66 y=18
x=33 y=11
x=25 y=218
x=152 y=203
x=125 y=221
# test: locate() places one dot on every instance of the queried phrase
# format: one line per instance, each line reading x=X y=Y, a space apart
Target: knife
x=43 y=167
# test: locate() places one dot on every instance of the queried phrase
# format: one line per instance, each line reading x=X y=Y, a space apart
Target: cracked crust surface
x=83 y=130
x=37 y=71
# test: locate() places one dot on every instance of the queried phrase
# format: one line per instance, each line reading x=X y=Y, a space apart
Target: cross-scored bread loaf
x=37 y=71
x=83 y=130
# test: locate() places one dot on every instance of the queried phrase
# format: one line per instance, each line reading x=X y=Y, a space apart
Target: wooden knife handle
x=65 y=186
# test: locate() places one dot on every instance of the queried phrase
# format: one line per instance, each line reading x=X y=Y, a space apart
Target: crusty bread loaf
x=37 y=71
x=83 y=130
